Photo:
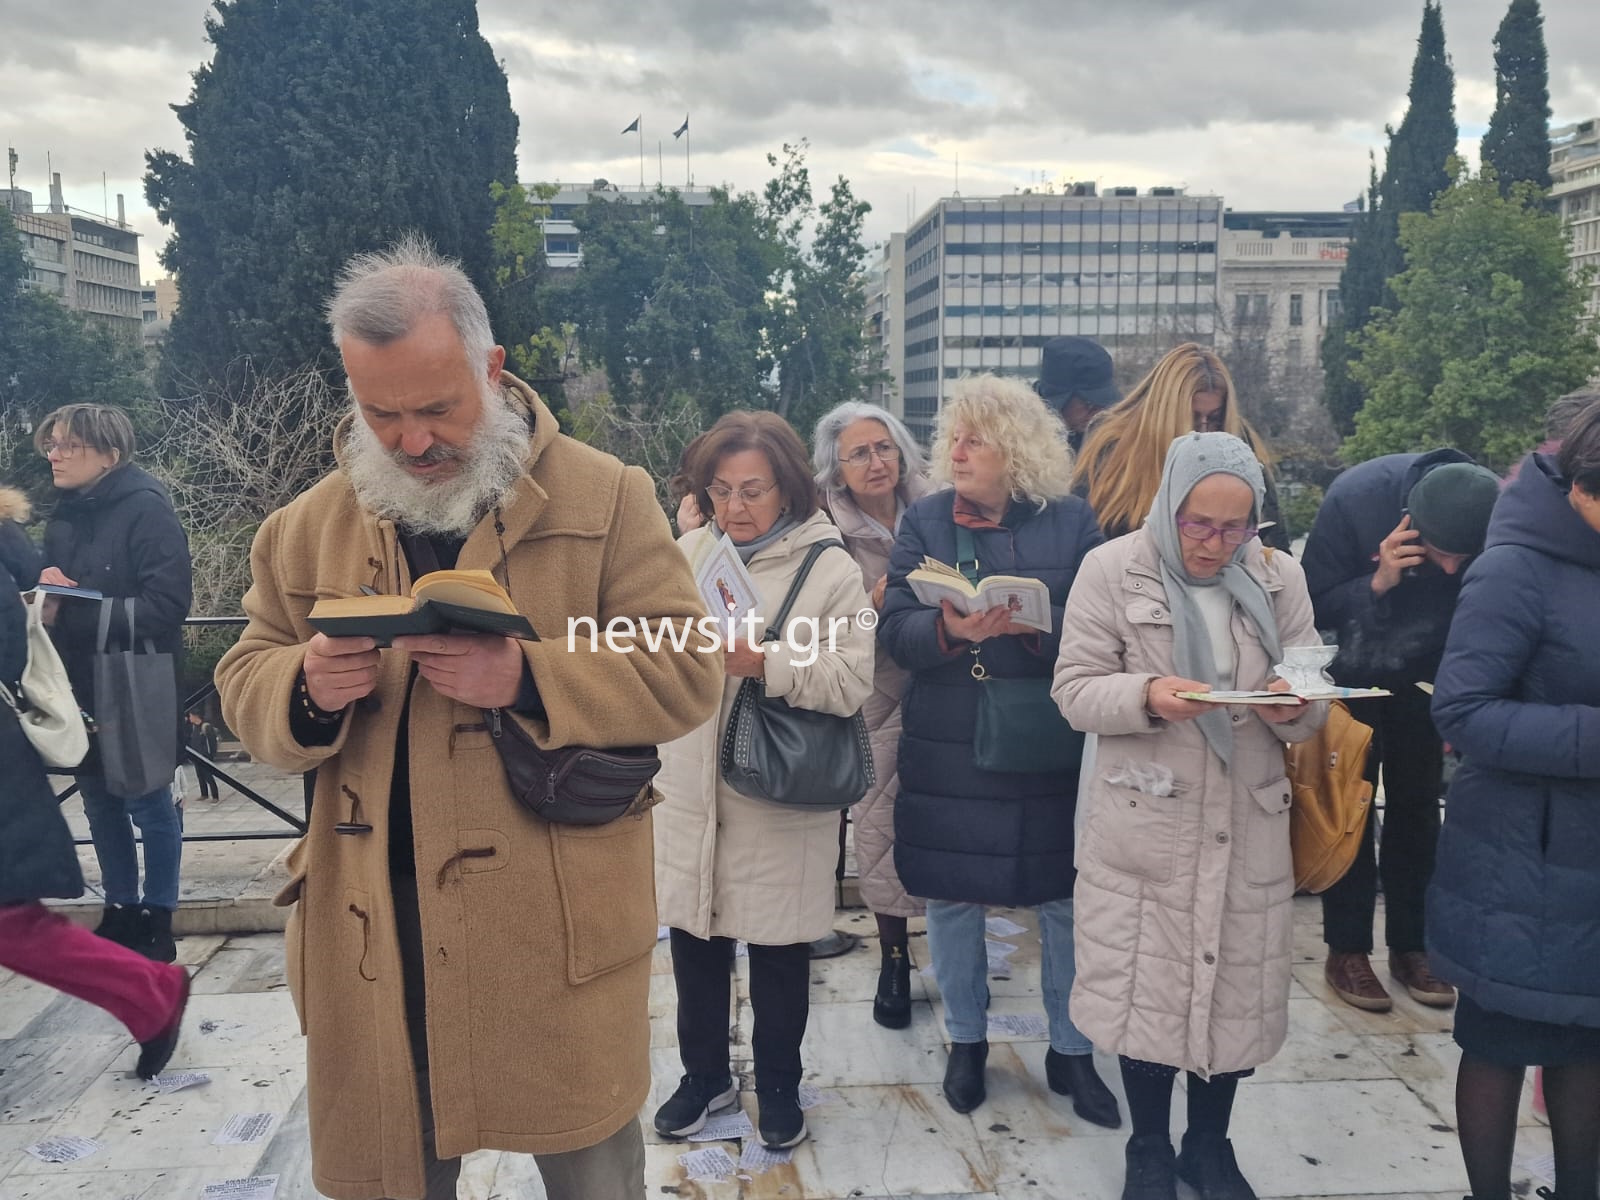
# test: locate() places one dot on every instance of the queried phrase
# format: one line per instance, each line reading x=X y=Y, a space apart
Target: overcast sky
x=1269 y=103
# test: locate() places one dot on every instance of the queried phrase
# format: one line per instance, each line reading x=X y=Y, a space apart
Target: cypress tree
x=1517 y=144
x=322 y=128
x=1415 y=171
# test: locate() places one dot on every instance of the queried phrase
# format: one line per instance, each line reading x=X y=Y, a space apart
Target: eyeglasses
x=721 y=494
x=62 y=449
x=885 y=452
x=1200 y=532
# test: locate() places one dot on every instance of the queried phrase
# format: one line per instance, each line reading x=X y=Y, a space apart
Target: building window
x=1249 y=308
x=1333 y=304
x=1296 y=309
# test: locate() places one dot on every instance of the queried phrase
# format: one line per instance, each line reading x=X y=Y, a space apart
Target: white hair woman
x=969 y=835
x=869 y=469
x=1185 y=876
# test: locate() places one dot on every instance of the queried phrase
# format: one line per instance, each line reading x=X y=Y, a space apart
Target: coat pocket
x=1269 y=859
x=1135 y=833
x=605 y=875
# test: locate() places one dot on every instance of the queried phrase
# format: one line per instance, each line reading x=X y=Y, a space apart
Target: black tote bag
x=135 y=710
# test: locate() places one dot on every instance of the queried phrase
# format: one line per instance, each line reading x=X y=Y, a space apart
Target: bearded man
x=467 y=975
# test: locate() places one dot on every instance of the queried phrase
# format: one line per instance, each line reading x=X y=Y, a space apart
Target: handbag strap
x=967 y=554
x=103 y=635
x=781 y=621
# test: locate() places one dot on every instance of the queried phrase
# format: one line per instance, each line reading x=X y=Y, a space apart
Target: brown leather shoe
x=1410 y=970
x=1352 y=976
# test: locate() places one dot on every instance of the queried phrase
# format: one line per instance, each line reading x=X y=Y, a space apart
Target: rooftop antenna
x=957 y=192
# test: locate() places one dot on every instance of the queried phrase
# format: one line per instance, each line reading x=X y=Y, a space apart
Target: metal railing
x=296 y=826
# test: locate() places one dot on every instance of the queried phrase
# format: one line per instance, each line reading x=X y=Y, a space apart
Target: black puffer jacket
x=37 y=858
x=122 y=538
x=962 y=833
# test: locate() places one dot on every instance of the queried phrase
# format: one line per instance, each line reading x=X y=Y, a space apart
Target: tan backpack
x=1332 y=799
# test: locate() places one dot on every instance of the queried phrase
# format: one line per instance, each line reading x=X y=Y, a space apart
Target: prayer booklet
x=56 y=589
x=1292 y=696
x=725 y=584
x=1028 y=599
x=441 y=602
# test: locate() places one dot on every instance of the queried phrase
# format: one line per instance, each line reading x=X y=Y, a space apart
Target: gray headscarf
x=1190 y=459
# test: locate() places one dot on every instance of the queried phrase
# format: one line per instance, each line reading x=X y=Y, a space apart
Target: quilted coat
x=1184 y=901
x=1514 y=907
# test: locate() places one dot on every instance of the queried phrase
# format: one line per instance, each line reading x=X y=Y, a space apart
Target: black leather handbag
x=573 y=785
x=795 y=757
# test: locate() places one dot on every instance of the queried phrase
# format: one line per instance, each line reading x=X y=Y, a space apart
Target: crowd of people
x=470 y=974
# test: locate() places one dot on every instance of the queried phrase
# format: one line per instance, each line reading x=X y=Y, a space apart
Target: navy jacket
x=37 y=857
x=1514 y=908
x=961 y=833
x=1389 y=641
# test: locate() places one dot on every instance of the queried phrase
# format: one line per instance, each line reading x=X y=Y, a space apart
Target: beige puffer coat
x=730 y=866
x=872 y=821
x=1183 y=902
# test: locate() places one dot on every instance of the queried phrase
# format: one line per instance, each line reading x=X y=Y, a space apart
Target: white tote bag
x=46 y=707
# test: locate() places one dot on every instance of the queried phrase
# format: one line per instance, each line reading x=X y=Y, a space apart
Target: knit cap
x=1450 y=506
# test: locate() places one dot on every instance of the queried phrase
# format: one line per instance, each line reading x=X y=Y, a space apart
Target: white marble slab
x=1426 y=1063
x=239 y=1030
x=41 y=1077
x=1320 y=1046
x=151 y=1184
x=844 y=1045
x=1407 y=1016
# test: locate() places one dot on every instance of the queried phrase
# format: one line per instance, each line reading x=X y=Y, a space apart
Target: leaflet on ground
x=1299 y=696
x=1028 y=599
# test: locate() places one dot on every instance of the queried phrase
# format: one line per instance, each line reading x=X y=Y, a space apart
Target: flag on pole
x=634 y=128
x=682 y=129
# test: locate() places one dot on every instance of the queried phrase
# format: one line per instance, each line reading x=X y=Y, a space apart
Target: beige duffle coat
x=730 y=866
x=872 y=821
x=1183 y=906
x=537 y=937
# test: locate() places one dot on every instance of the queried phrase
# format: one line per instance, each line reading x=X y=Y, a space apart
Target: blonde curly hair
x=1029 y=435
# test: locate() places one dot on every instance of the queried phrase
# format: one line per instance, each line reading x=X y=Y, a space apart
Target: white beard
x=488 y=467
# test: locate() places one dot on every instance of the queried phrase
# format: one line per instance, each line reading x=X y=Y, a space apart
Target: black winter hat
x=1450 y=506
x=1076 y=366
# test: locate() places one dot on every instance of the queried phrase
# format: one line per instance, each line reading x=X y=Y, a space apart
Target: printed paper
x=176 y=1082
x=728 y=1127
x=811 y=1096
x=1022 y=1025
x=244 y=1129
x=758 y=1159
x=710 y=1164
x=1003 y=927
x=64 y=1148
x=256 y=1187
x=725 y=585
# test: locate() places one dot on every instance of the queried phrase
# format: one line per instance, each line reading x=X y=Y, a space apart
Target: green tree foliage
x=1517 y=144
x=1415 y=171
x=50 y=356
x=1488 y=329
x=539 y=354
x=322 y=128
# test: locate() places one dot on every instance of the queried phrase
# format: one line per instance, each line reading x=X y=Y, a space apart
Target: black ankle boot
x=891 y=1007
x=1074 y=1075
x=1208 y=1166
x=1151 y=1173
x=963 y=1075
x=155 y=935
x=119 y=923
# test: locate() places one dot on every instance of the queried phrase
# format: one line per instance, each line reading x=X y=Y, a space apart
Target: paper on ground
x=243 y=1129
x=1003 y=927
x=999 y=955
x=1542 y=1165
x=167 y=1084
x=1023 y=1025
x=709 y=1164
x=728 y=1127
x=663 y=932
x=759 y=1159
x=811 y=1096
x=64 y=1148
x=255 y=1187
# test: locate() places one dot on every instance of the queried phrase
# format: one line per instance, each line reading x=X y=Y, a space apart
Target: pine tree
x=1517 y=144
x=1415 y=171
x=322 y=128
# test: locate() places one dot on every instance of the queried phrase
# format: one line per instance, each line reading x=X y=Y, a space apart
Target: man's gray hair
x=825 y=447
x=381 y=295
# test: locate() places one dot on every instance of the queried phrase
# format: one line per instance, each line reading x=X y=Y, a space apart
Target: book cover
x=56 y=589
x=1290 y=697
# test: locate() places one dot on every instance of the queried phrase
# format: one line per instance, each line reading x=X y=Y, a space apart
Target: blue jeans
x=111 y=821
x=961 y=968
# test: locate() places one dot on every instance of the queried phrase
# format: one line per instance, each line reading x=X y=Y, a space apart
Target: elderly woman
x=729 y=867
x=1185 y=877
x=1514 y=907
x=869 y=469
x=968 y=836
x=1190 y=389
x=114 y=531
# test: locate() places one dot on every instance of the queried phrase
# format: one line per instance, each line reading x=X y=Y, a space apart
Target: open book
x=444 y=601
x=1028 y=599
x=1292 y=696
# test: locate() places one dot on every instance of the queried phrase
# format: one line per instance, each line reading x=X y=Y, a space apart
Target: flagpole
x=641 y=153
x=688 y=165
x=660 y=169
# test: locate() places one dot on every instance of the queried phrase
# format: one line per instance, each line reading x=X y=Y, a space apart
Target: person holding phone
x=1384 y=563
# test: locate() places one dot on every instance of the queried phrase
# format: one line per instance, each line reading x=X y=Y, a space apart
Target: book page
x=465 y=590
x=930 y=587
x=1028 y=600
x=1290 y=697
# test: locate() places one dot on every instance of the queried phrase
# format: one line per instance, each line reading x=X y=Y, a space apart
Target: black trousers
x=780 y=999
x=1406 y=747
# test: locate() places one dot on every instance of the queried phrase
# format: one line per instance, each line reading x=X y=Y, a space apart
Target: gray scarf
x=748 y=550
x=1190 y=459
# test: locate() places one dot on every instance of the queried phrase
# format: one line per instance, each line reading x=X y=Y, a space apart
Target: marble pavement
x=1357 y=1104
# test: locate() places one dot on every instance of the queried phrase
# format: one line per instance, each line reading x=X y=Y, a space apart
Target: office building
x=562 y=251
x=1575 y=188
x=88 y=263
x=1280 y=282
x=884 y=288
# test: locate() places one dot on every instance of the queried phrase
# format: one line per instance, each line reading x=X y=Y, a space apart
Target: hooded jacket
x=1514 y=908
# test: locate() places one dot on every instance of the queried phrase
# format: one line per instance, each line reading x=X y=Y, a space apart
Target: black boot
x=963 y=1075
x=120 y=924
x=155 y=1054
x=1208 y=1166
x=1151 y=1173
x=891 y=1007
x=1074 y=1075
x=155 y=935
